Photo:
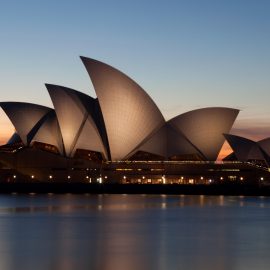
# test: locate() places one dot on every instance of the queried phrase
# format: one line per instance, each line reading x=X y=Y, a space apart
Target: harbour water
x=131 y=232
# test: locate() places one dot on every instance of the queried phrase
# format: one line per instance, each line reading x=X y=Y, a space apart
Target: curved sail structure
x=168 y=142
x=265 y=145
x=49 y=133
x=245 y=149
x=122 y=123
x=26 y=118
x=77 y=125
x=204 y=128
x=130 y=115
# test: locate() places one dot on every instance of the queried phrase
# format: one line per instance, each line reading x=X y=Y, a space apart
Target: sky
x=186 y=54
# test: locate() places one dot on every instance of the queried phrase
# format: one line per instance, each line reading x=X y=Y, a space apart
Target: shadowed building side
x=265 y=145
x=130 y=115
x=245 y=149
x=154 y=144
x=93 y=108
x=179 y=148
x=169 y=144
x=49 y=133
x=15 y=138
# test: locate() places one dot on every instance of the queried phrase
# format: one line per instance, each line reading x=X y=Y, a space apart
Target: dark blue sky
x=185 y=54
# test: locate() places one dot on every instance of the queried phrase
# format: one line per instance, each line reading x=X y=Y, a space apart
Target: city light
x=163 y=179
x=99 y=180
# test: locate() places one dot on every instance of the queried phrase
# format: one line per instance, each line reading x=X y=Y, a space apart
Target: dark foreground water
x=126 y=232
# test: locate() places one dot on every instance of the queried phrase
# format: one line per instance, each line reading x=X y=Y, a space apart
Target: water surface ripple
x=134 y=232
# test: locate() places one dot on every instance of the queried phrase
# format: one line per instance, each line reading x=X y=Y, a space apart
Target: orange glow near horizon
x=225 y=151
x=6 y=128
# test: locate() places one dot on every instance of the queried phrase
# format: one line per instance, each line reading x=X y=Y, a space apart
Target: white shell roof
x=24 y=117
x=204 y=128
x=76 y=124
x=130 y=115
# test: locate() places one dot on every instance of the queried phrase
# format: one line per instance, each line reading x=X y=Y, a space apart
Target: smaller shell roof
x=203 y=128
x=265 y=145
x=74 y=113
x=26 y=118
x=245 y=149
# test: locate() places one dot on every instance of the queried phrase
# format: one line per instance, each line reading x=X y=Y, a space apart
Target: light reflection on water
x=126 y=232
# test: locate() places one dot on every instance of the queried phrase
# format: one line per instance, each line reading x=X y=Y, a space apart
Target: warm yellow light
x=99 y=180
x=69 y=177
x=50 y=177
x=14 y=176
x=32 y=176
x=163 y=179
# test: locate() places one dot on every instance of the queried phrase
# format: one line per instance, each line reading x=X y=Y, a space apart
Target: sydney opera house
x=122 y=136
